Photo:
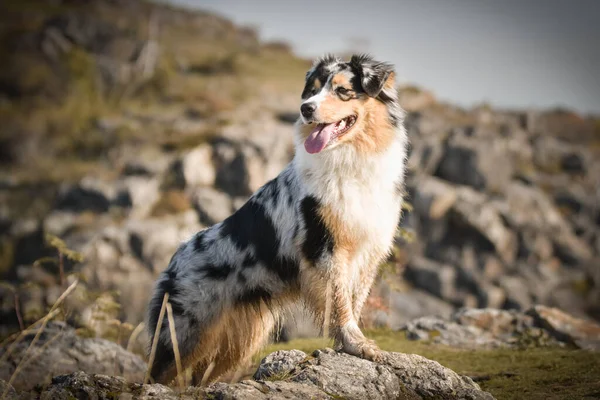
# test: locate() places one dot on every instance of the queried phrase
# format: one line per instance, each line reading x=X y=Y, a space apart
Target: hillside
x=125 y=126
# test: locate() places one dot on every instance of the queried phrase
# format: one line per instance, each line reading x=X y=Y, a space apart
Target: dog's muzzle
x=307 y=110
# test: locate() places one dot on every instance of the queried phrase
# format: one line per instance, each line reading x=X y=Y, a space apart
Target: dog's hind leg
x=243 y=331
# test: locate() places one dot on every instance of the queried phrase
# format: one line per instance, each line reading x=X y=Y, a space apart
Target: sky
x=509 y=53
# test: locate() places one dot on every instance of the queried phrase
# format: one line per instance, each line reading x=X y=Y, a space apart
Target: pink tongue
x=318 y=138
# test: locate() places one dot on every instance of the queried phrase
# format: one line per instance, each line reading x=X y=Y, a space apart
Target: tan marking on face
x=340 y=80
x=373 y=132
x=332 y=109
x=317 y=84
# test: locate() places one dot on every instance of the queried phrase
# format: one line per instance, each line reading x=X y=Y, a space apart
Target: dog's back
x=322 y=226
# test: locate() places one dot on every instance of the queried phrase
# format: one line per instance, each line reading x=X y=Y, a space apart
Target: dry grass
x=175 y=344
x=161 y=316
x=327 y=316
x=207 y=373
x=24 y=361
x=44 y=320
x=54 y=311
x=134 y=335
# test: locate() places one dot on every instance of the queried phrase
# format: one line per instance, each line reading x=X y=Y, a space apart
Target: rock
x=490 y=328
x=491 y=296
x=518 y=295
x=81 y=385
x=212 y=205
x=279 y=390
x=59 y=222
x=60 y=351
x=28 y=242
x=433 y=277
x=144 y=162
x=528 y=208
x=396 y=376
x=413 y=371
x=483 y=155
x=434 y=197
x=425 y=154
x=140 y=193
x=476 y=210
x=584 y=334
x=496 y=322
x=325 y=375
x=128 y=258
x=279 y=364
x=7 y=391
x=408 y=305
x=478 y=328
x=460 y=165
x=251 y=153
x=99 y=196
x=197 y=167
x=88 y=195
x=232 y=171
x=449 y=333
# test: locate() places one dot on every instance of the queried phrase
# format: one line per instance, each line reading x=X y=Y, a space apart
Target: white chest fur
x=361 y=190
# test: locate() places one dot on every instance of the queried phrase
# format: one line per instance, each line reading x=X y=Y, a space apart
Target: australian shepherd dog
x=315 y=233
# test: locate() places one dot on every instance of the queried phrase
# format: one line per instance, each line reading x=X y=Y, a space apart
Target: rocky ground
x=62 y=364
x=288 y=375
x=127 y=126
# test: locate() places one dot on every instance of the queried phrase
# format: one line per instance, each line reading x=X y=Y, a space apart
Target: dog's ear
x=373 y=74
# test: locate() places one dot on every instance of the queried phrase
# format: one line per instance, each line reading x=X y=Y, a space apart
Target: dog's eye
x=342 y=90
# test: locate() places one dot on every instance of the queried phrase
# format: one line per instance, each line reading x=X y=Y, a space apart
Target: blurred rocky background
x=126 y=126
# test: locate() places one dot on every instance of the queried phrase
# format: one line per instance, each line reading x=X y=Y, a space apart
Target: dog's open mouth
x=323 y=134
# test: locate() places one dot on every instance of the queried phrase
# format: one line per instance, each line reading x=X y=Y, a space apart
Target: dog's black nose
x=307 y=109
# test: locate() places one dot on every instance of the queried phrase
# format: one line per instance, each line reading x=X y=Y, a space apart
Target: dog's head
x=350 y=102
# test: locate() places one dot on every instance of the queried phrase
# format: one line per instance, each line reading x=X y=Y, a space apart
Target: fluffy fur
x=322 y=226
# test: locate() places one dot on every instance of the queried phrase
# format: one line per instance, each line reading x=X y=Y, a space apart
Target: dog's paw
x=370 y=351
x=365 y=348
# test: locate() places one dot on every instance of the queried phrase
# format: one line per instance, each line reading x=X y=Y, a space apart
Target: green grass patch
x=531 y=373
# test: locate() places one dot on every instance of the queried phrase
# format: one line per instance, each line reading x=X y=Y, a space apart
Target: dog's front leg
x=348 y=336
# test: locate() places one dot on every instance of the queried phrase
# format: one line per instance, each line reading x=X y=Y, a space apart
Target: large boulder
x=59 y=350
x=580 y=332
